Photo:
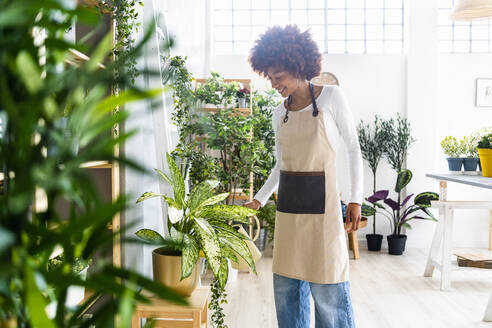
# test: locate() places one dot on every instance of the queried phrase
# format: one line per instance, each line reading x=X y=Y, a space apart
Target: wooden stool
x=352 y=238
x=171 y=315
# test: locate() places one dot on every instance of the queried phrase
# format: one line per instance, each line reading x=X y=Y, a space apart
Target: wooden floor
x=387 y=291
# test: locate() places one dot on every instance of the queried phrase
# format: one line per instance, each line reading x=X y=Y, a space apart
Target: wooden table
x=171 y=315
x=444 y=231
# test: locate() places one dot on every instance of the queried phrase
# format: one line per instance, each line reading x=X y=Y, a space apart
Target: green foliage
x=486 y=142
x=399 y=141
x=264 y=103
x=403 y=179
x=468 y=145
x=202 y=224
x=34 y=97
x=451 y=147
x=212 y=91
x=58 y=261
x=266 y=215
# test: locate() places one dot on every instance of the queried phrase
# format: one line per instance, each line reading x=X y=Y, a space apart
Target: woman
x=310 y=253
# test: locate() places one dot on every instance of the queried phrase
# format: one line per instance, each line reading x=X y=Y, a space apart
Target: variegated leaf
x=201 y=192
x=165 y=177
x=239 y=246
x=223 y=226
x=214 y=199
x=228 y=212
x=367 y=210
x=209 y=244
x=228 y=252
x=190 y=255
x=177 y=180
x=424 y=198
x=150 y=235
x=147 y=195
x=403 y=179
x=223 y=273
x=175 y=214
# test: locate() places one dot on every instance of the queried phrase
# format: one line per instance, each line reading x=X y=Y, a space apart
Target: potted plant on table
x=197 y=224
x=469 y=148
x=242 y=97
x=485 y=153
x=453 y=150
x=399 y=213
x=372 y=144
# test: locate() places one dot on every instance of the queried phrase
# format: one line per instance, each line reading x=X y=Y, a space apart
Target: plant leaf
x=178 y=182
x=190 y=255
x=150 y=235
x=147 y=195
x=29 y=72
x=377 y=196
x=239 y=246
x=391 y=203
x=424 y=199
x=367 y=210
x=174 y=214
x=200 y=193
x=223 y=226
x=404 y=178
x=228 y=212
x=228 y=252
x=406 y=200
x=209 y=244
x=165 y=177
x=214 y=199
x=35 y=302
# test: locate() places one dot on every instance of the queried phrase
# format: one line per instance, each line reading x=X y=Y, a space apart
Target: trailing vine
x=219 y=297
x=125 y=15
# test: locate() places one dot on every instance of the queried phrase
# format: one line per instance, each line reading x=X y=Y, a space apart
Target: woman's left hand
x=353 y=215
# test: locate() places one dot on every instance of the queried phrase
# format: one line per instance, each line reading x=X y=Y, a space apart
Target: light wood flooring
x=387 y=291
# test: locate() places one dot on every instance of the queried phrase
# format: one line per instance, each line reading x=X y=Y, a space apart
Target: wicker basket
x=462 y=262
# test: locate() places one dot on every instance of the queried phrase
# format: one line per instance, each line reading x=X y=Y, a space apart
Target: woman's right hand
x=254 y=204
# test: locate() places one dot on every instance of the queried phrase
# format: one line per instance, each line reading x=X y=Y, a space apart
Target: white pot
x=242 y=102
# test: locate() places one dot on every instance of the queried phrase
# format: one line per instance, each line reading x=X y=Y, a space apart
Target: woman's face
x=283 y=81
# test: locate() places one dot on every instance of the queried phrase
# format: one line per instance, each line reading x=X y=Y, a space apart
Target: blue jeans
x=333 y=306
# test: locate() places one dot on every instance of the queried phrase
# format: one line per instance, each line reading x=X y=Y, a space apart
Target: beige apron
x=309 y=242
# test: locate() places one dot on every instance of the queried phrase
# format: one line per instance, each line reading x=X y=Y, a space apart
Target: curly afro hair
x=286 y=48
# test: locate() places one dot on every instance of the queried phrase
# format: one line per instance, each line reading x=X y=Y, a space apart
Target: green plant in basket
x=200 y=223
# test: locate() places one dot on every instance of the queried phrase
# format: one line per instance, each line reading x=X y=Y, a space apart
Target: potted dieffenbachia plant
x=197 y=224
x=400 y=213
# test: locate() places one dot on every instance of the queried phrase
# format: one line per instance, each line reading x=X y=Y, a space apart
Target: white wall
x=435 y=92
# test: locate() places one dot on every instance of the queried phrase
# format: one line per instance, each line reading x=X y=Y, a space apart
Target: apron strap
x=313 y=100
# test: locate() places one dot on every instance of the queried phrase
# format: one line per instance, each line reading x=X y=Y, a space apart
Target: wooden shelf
x=97 y=165
x=239 y=196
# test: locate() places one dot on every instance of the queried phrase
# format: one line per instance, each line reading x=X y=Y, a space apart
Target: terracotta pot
x=167 y=270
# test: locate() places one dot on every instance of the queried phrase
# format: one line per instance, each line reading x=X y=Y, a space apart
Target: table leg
x=488 y=311
x=205 y=315
x=197 y=319
x=136 y=321
x=490 y=232
x=447 y=247
x=355 y=244
x=436 y=244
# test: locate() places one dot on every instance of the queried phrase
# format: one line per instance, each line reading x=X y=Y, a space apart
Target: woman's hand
x=254 y=204
x=353 y=215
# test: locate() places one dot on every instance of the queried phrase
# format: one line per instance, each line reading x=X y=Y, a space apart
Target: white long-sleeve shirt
x=339 y=122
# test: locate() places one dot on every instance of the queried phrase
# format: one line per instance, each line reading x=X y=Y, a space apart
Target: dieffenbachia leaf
x=174 y=214
x=147 y=195
x=228 y=212
x=200 y=193
x=239 y=246
x=177 y=181
x=190 y=255
x=214 y=200
x=209 y=244
x=224 y=226
x=228 y=252
x=35 y=301
x=150 y=235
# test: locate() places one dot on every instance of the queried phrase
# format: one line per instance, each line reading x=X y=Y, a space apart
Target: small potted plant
x=469 y=147
x=197 y=224
x=210 y=93
x=453 y=150
x=485 y=153
x=399 y=213
x=243 y=96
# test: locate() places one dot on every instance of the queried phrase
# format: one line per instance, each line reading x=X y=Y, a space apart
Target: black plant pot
x=374 y=242
x=396 y=244
x=455 y=163
x=470 y=164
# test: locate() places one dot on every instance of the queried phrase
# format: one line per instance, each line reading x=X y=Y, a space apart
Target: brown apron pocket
x=301 y=192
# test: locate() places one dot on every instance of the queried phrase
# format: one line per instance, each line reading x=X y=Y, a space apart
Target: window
x=462 y=37
x=338 y=26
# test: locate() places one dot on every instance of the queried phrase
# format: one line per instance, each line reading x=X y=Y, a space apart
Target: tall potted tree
x=399 y=213
x=372 y=142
